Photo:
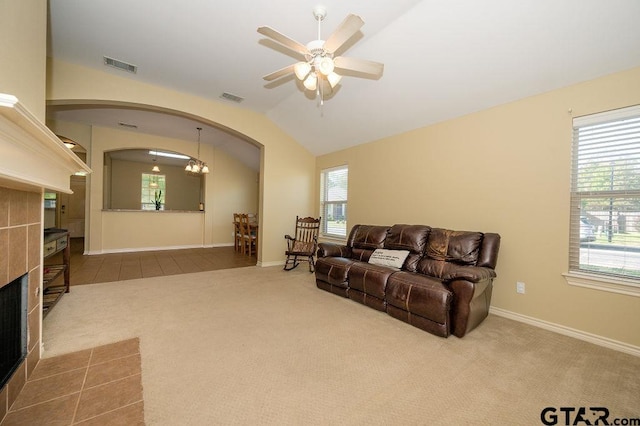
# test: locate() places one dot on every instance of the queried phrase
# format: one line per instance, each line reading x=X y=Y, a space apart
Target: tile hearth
x=98 y=386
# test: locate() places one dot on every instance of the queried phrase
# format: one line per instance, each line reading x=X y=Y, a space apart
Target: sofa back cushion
x=364 y=239
x=459 y=247
x=408 y=237
x=446 y=249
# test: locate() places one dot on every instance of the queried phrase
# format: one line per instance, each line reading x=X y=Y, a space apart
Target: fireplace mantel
x=32 y=157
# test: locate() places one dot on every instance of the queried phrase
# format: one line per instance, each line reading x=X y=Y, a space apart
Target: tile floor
x=126 y=266
x=99 y=386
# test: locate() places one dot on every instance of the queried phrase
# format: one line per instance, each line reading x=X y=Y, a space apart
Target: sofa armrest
x=333 y=250
x=474 y=274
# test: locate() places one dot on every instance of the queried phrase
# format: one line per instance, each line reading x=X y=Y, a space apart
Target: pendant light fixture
x=195 y=165
x=155 y=167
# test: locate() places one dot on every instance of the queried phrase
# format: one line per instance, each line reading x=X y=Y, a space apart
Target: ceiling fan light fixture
x=333 y=79
x=320 y=56
x=155 y=169
x=311 y=82
x=325 y=65
x=302 y=69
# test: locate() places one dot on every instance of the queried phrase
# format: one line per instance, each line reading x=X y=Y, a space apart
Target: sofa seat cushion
x=369 y=278
x=420 y=295
x=368 y=300
x=333 y=270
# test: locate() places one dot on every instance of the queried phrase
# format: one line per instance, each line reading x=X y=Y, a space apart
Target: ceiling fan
x=319 y=72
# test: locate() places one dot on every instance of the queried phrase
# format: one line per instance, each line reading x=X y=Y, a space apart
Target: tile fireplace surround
x=20 y=248
x=32 y=159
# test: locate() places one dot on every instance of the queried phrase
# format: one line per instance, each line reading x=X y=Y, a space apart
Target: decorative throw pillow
x=392 y=258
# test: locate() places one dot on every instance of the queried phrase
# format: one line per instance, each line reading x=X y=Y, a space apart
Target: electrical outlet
x=520 y=287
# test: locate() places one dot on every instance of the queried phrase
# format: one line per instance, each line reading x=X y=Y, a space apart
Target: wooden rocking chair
x=303 y=245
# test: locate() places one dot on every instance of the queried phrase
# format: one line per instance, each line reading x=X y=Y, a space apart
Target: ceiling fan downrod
x=319 y=12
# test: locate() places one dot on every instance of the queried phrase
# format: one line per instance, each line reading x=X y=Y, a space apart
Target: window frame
x=586 y=276
x=324 y=202
x=150 y=205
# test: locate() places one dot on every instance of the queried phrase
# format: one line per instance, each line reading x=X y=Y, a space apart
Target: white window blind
x=605 y=194
x=333 y=201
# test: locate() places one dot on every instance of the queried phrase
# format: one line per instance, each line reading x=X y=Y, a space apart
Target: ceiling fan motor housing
x=316 y=48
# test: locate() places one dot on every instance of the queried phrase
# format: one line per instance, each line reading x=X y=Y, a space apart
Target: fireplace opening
x=13 y=327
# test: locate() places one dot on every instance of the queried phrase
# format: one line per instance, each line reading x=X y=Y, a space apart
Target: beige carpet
x=263 y=346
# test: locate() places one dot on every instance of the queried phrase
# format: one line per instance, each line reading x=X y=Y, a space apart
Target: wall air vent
x=120 y=65
x=230 y=97
x=130 y=126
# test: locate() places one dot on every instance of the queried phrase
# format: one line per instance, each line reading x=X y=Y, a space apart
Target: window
x=153 y=193
x=605 y=197
x=333 y=201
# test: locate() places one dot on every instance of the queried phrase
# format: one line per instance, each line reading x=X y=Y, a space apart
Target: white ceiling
x=443 y=59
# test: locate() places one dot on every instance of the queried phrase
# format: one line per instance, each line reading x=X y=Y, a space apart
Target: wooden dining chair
x=249 y=238
x=303 y=245
x=237 y=232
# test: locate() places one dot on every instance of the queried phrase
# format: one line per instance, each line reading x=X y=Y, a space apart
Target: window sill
x=609 y=284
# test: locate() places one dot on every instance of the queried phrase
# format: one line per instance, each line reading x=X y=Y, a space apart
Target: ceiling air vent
x=120 y=65
x=230 y=97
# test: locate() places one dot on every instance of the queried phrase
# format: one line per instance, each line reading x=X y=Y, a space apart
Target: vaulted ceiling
x=443 y=59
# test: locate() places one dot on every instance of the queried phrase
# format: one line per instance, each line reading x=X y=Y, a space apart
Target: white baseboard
x=268 y=264
x=568 y=331
x=140 y=249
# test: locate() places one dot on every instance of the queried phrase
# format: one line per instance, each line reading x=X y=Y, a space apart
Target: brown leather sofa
x=444 y=285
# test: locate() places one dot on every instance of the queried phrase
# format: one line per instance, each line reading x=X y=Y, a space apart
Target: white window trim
x=611 y=284
x=603 y=283
x=323 y=235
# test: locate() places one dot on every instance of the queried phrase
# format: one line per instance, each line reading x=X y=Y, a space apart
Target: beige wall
x=504 y=170
x=236 y=190
x=284 y=162
x=23 y=34
x=138 y=230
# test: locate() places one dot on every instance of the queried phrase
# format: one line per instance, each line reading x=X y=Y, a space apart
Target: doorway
x=71 y=209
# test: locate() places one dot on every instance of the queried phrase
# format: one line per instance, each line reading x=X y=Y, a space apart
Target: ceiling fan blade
x=346 y=30
x=361 y=66
x=284 y=40
x=280 y=73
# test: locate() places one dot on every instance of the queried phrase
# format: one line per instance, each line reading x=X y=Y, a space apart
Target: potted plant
x=157 y=199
